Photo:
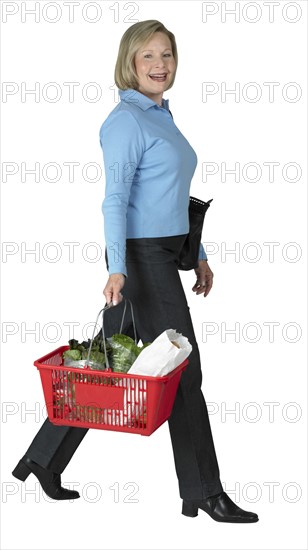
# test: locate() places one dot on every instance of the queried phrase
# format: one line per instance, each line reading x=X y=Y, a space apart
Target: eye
x=165 y=54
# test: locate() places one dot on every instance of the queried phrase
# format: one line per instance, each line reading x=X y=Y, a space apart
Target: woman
x=148 y=167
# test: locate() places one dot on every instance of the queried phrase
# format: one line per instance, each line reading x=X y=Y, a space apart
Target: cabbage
x=124 y=352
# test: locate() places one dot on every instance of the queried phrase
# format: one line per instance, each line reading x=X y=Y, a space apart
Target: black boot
x=220 y=507
x=50 y=481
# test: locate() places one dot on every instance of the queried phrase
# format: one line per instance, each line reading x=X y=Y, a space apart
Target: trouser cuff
x=200 y=492
x=44 y=461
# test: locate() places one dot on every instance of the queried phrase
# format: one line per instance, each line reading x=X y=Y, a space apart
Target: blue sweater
x=148 y=165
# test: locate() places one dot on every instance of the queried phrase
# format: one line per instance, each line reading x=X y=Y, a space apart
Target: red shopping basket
x=106 y=400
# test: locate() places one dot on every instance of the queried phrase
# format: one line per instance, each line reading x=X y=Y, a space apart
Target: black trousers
x=154 y=286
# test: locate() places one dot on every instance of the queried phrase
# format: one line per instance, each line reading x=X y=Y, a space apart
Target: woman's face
x=155 y=66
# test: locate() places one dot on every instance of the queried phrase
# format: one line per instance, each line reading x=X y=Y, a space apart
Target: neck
x=158 y=98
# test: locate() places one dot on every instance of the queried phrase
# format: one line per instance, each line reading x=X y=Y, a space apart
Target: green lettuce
x=121 y=351
x=78 y=352
x=73 y=354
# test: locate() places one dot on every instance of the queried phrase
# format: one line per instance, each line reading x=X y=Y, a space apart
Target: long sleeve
x=202 y=253
x=122 y=144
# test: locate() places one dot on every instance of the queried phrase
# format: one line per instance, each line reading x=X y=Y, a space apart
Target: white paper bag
x=162 y=356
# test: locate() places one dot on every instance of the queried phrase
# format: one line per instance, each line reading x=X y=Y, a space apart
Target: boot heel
x=189 y=509
x=21 y=471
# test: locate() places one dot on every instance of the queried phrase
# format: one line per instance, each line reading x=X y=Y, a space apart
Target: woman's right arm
x=123 y=146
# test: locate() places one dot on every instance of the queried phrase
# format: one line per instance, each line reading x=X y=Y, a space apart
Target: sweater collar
x=144 y=102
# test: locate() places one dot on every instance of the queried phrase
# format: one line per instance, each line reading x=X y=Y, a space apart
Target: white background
x=256 y=450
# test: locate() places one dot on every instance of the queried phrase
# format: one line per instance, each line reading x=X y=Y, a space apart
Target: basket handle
x=102 y=311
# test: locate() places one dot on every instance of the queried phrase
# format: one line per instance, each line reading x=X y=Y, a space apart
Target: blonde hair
x=135 y=36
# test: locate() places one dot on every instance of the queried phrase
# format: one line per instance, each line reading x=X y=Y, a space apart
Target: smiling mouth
x=159 y=77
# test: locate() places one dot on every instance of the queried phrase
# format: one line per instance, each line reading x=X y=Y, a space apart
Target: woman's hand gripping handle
x=112 y=290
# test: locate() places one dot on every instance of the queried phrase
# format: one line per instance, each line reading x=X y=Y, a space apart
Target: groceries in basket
x=99 y=383
x=167 y=351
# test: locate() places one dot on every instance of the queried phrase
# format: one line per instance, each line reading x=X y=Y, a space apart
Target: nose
x=159 y=67
x=160 y=62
